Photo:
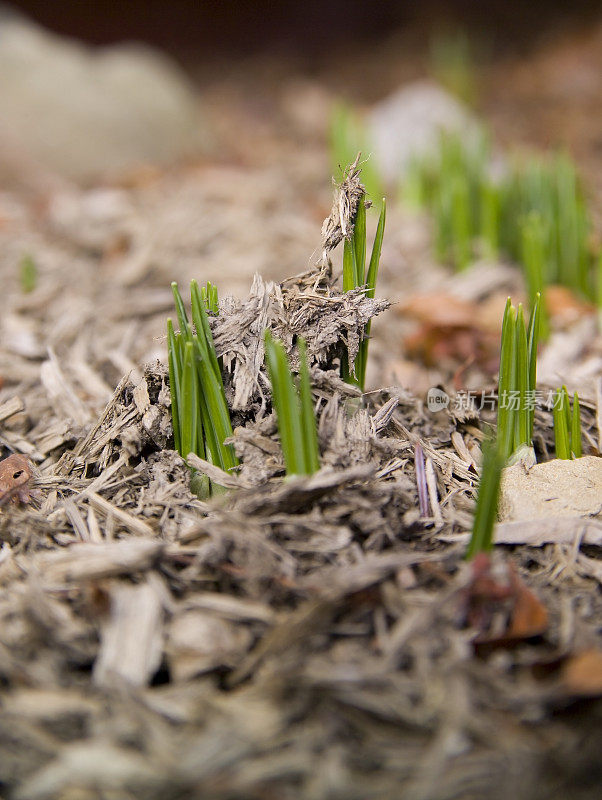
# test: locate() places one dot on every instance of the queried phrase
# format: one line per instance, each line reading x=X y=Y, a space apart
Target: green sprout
x=535 y=214
x=490 y=219
x=517 y=378
x=200 y=415
x=598 y=297
x=453 y=183
x=548 y=191
x=534 y=258
x=567 y=425
x=28 y=274
x=294 y=408
x=481 y=540
x=355 y=276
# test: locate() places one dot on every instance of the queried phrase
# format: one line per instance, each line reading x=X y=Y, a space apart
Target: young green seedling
x=598 y=295
x=517 y=378
x=200 y=415
x=536 y=214
x=28 y=274
x=533 y=242
x=481 y=540
x=567 y=425
x=294 y=408
x=490 y=199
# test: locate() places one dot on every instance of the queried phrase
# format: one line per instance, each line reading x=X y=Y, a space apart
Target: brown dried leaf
x=582 y=674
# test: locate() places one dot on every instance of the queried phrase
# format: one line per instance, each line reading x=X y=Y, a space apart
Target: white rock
x=83 y=112
x=408 y=124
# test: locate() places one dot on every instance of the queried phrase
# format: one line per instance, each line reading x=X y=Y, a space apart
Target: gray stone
x=83 y=112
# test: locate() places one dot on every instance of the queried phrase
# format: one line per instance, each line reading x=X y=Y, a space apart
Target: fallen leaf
x=564 y=306
x=500 y=607
x=450 y=328
x=582 y=674
x=529 y=617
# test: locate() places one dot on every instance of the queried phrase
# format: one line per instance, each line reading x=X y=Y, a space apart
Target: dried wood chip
x=106 y=767
x=90 y=561
x=134 y=524
x=61 y=393
x=299 y=492
x=227 y=479
x=535 y=533
x=131 y=639
x=11 y=407
x=233 y=608
x=199 y=642
x=340 y=222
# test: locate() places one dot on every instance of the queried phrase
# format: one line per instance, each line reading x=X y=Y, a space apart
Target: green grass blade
x=361 y=361
x=533 y=238
x=210 y=298
x=203 y=329
x=175 y=370
x=505 y=414
x=481 y=539
x=576 y=427
x=349 y=267
x=490 y=219
x=522 y=381
x=532 y=343
x=28 y=274
x=216 y=417
x=310 y=431
x=561 y=430
x=599 y=290
x=359 y=243
x=566 y=405
x=461 y=222
x=376 y=251
x=189 y=404
x=286 y=403
x=181 y=312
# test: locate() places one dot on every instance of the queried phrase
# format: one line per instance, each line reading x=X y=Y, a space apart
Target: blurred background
x=189 y=29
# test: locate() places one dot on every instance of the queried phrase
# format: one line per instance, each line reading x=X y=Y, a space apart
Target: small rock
x=556 y=488
x=408 y=123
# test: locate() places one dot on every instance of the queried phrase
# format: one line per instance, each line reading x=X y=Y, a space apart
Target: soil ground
x=315 y=639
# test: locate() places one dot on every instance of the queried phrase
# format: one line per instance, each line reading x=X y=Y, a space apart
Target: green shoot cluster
x=292 y=402
x=200 y=416
x=567 y=425
x=354 y=276
x=455 y=186
x=536 y=214
x=517 y=378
